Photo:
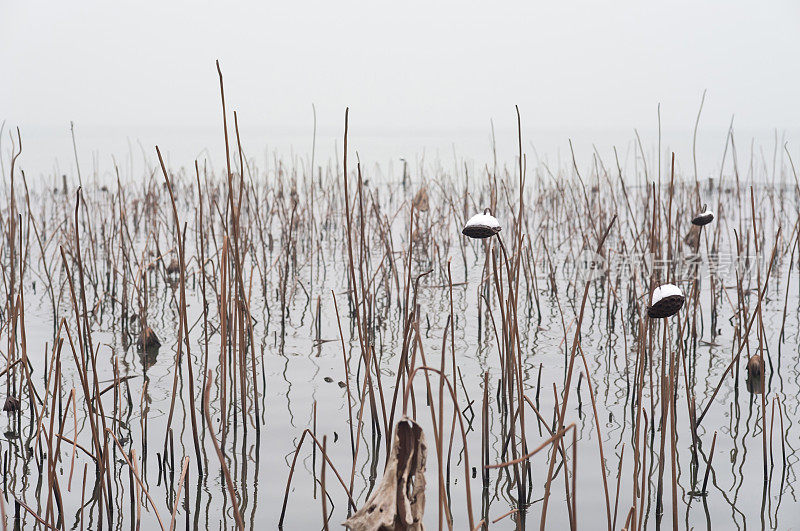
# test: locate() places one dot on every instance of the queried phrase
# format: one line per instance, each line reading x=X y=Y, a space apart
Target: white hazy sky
x=401 y=66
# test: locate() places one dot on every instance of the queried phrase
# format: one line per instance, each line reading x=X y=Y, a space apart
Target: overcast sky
x=400 y=66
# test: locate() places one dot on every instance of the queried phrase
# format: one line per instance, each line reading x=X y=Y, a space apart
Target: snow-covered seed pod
x=481 y=226
x=703 y=218
x=667 y=300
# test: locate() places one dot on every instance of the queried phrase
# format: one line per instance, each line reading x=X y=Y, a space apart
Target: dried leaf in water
x=755 y=375
x=421 y=199
x=692 y=238
x=173 y=267
x=149 y=339
x=11 y=405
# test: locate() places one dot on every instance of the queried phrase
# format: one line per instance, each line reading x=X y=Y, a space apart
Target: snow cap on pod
x=481 y=226
x=667 y=300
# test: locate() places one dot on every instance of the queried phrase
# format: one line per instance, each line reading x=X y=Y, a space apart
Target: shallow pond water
x=283 y=270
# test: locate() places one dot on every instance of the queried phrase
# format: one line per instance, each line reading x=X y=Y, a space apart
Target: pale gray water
x=292 y=368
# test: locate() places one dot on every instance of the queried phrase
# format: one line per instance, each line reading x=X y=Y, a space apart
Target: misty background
x=424 y=81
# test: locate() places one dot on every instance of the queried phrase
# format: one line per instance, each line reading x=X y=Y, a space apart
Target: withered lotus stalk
x=481 y=226
x=667 y=300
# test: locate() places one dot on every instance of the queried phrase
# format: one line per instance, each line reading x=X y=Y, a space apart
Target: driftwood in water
x=399 y=500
